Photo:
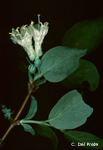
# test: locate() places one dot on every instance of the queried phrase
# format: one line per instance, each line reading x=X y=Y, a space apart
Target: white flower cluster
x=24 y=35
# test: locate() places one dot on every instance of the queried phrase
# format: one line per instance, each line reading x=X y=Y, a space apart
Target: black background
x=61 y=15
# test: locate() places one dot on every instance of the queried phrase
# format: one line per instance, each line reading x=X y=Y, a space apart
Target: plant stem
x=31 y=88
x=22 y=107
x=35 y=122
x=31 y=121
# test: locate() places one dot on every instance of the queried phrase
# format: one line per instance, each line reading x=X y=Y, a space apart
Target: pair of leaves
x=31 y=113
x=83 y=137
x=87 y=34
x=40 y=129
x=69 y=112
x=85 y=72
x=59 y=62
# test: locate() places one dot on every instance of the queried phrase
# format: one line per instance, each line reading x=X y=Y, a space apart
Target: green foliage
x=84 y=137
x=28 y=128
x=7 y=112
x=59 y=62
x=41 y=81
x=69 y=112
x=33 y=109
x=87 y=34
x=47 y=132
x=85 y=72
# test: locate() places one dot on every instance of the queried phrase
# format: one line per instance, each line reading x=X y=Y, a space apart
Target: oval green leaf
x=33 y=108
x=59 y=62
x=90 y=141
x=28 y=128
x=69 y=112
x=87 y=34
x=47 y=132
x=85 y=72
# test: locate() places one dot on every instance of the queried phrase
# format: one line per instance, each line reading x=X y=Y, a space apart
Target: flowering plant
x=59 y=64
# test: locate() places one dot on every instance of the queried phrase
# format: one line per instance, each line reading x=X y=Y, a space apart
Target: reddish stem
x=22 y=107
x=31 y=88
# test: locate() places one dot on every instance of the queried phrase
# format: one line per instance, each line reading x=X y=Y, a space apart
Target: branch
x=31 y=87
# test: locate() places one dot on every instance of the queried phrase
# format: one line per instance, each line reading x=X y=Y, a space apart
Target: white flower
x=23 y=38
x=38 y=35
x=26 y=34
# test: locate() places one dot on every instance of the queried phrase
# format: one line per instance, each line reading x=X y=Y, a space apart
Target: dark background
x=61 y=15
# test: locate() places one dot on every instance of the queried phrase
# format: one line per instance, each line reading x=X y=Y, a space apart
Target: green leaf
x=41 y=81
x=48 y=132
x=83 y=137
x=33 y=109
x=87 y=34
x=85 y=72
x=69 y=112
x=28 y=128
x=59 y=62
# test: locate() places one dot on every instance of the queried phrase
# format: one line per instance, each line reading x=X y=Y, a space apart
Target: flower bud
x=37 y=62
x=32 y=69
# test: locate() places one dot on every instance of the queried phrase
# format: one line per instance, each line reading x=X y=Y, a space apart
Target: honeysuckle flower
x=23 y=38
x=38 y=35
